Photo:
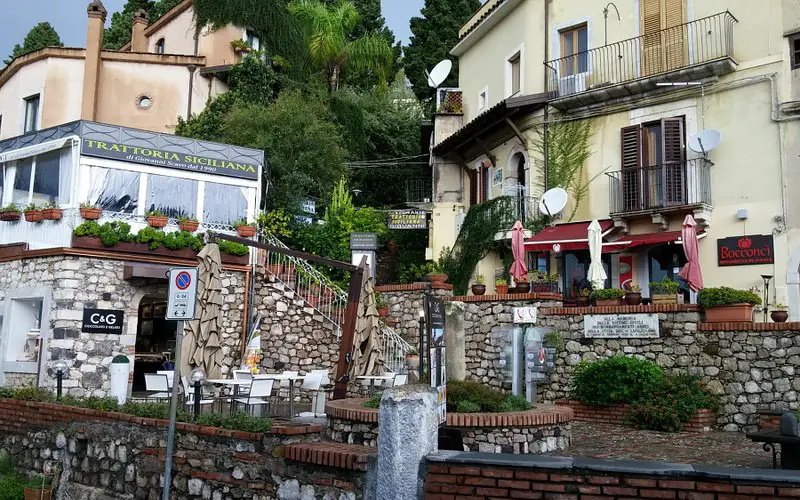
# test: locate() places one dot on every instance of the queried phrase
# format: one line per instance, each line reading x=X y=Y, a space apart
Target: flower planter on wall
x=142 y=248
x=670 y=298
x=615 y=302
x=246 y=231
x=34 y=215
x=704 y=419
x=779 y=316
x=9 y=216
x=53 y=214
x=189 y=226
x=157 y=221
x=478 y=289
x=735 y=313
x=501 y=289
x=91 y=213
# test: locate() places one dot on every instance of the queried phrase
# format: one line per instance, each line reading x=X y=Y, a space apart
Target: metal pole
x=766 y=299
x=59 y=379
x=422 y=345
x=197 y=396
x=173 y=409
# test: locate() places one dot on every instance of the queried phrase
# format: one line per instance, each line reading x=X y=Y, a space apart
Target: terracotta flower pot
x=779 y=316
x=523 y=287
x=437 y=278
x=478 y=289
x=91 y=213
x=614 y=302
x=246 y=231
x=189 y=226
x=734 y=313
x=53 y=214
x=37 y=493
x=157 y=221
x=383 y=311
x=633 y=298
x=501 y=289
x=583 y=301
x=34 y=215
x=412 y=360
x=9 y=216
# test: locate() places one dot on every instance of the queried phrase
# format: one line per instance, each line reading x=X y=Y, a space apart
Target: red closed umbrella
x=691 y=271
x=519 y=270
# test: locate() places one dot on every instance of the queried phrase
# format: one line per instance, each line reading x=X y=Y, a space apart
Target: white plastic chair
x=313 y=384
x=260 y=391
x=156 y=385
x=170 y=376
x=188 y=392
x=400 y=379
x=243 y=375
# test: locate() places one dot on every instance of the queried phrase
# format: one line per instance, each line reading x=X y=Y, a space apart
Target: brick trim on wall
x=410 y=287
x=704 y=420
x=342 y=456
x=750 y=327
x=511 y=297
x=579 y=311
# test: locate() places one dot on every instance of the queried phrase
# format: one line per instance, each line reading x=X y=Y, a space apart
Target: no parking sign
x=182 y=293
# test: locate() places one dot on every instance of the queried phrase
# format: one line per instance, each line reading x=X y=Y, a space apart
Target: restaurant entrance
x=155 y=339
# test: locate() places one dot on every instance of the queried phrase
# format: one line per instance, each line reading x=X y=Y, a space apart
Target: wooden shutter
x=664 y=36
x=631 y=162
x=673 y=149
x=675 y=35
x=473 y=187
x=650 y=30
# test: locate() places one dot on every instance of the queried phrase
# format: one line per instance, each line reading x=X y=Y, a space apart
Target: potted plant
x=9 y=213
x=156 y=219
x=33 y=213
x=607 y=297
x=479 y=287
x=240 y=46
x=779 y=313
x=583 y=297
x=435 y=274
x=52 y=212
x=523 y=286
x=725 y=304
x=90 y=212
x=245 y=229
x=664 y=292
x=412 y=359
x=38 y=488
x=501 y=286
x=188 y=224
x=383 y=307
x=633 y=297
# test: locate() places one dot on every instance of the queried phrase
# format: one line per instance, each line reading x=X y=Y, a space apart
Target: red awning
x=570 y=236
x=639 y=240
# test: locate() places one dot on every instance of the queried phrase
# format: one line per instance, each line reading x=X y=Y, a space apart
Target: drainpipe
x=546 y=106
x=191 y=69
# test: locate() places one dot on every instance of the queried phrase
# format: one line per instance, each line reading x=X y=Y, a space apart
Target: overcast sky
x=69 y=19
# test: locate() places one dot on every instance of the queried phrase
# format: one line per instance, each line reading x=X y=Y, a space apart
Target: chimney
x=91 y=67
x=138 y=40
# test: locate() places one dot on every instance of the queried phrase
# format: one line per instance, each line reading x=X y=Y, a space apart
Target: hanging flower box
x=89 y=212
x=9 y=213
x=157 y=219
x=53 y=213
x=93 y=243
x=34 y=214
x=188 y=225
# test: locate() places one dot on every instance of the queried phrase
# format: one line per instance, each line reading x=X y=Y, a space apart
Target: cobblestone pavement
x=731 y=449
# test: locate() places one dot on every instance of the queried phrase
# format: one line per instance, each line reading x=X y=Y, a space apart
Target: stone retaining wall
x=405 y=303
x=703 y=420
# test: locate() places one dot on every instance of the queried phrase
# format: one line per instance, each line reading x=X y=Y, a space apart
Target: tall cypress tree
x=40 y=36
x=433 y=36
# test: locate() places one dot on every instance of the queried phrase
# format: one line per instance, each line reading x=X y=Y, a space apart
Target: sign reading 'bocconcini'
x=168 y=159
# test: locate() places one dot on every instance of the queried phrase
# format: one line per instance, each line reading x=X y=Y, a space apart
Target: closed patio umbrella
x=691 y=271
x=519 y=270
x=596 y=274
x=201 y=345
x=367 y=353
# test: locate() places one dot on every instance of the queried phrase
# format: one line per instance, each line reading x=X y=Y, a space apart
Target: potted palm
x=188 y=224
x=90 y=212
x=52 y=212
x=724 y=304
x=33 y=213
x=412 y=359
x=156 y=219
x=245 y=229
x=479 y=287
x=9 y=213
x=633 y=297
x=583 y=297
x=664 y=292
x=501 y=286
x=779 y=313
x=607 y=297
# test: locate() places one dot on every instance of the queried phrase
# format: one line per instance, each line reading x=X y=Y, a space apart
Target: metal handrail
x=660 y=186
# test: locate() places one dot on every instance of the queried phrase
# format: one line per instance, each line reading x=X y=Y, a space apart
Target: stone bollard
x=408 y=433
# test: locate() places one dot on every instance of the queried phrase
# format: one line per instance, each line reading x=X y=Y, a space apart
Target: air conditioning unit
x=573 y=84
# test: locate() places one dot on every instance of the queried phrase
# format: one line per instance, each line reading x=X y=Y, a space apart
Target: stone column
x=408 y=432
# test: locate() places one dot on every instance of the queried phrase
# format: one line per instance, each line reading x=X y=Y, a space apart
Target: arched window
x=160 y=46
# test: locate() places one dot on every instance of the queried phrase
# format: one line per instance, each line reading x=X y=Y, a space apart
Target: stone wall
x=104 y=455
x=75 y=283
x=405 y=303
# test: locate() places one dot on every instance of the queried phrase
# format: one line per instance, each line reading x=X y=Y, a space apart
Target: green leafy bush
x=233 y=248
x=607 y=294
x=39 y=394
x=108 y=403
x=615 y=380
x=374 y=402
x=672 y=403
x=12 y=487
x=239 y=421
x=724 y=296
x=470 y=395
x=664 y=287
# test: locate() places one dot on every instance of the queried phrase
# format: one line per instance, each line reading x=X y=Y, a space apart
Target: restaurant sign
x=408 y=219
x=621 y=326
x=168 y=159
x=746 y=250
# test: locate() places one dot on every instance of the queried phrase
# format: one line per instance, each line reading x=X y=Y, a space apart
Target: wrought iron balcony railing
x=695 y=44
x=659 y=187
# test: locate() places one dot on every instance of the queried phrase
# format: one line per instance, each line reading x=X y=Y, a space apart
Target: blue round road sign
x=183 y=280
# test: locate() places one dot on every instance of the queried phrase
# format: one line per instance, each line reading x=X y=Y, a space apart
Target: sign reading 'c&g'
x=107 y=321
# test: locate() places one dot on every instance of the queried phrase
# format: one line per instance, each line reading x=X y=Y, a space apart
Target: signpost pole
x=173 y=409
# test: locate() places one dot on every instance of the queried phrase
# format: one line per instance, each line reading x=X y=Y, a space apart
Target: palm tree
x=327 y=30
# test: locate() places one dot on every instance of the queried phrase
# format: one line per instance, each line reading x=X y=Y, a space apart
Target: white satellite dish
x=439 y=73
x=705 y=141
x=553 y=202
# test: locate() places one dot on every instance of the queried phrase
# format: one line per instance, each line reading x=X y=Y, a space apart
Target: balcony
x=690 y=52
x=680 y=186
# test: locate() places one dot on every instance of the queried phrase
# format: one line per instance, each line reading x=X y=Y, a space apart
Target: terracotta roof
x=475 y=22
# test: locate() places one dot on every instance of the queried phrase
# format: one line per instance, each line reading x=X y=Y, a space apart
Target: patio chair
x=243 y=375
x=156 y=386
x=313 y=384
x=170 y=376
x=400 y=379
x=188 y=392
x=260 y=391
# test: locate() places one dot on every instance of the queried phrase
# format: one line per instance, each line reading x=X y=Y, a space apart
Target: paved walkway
x=731 y=449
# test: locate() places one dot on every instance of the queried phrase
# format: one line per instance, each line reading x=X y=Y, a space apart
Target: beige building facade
x=648 y=76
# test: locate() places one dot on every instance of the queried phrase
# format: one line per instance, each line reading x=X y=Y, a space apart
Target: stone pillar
x=408 y=433
x=91 y=68
x=138 y=38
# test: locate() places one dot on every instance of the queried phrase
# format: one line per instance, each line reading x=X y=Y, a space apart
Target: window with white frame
x=483 y=99
x=172 y=196
x=114 y=190
x=24 y=334
x=31 y=114
x=574 y=42
x=43 y=179
x=224 y=204
x=515 y=73
x=252 y=40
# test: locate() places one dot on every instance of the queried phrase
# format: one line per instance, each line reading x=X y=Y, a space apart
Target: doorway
x=155 y=339
x=666 y=261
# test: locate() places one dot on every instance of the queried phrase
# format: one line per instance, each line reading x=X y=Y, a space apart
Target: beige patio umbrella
x=367 y=358
x=201 y=345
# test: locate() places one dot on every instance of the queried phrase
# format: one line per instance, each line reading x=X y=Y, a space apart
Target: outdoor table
x=235 y=383
x=790 y=447
x=372 y=379
x=280 y=377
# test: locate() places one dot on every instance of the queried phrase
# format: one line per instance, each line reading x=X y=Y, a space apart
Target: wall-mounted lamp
x=742 y=214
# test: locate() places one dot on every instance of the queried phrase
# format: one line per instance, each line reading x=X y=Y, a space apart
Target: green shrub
x=663 y=287
x=477 y=397
x=12 y=487
x=607 y=294
x=724 y=296
x=39 y=394
x=374 y=402
x=108 y=403
x=672 y=403
x=239 y=421
x=615 y=380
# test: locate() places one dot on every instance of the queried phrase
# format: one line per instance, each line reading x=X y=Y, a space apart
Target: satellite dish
x=439 y=73
x=705 y=141
x=553 y=202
